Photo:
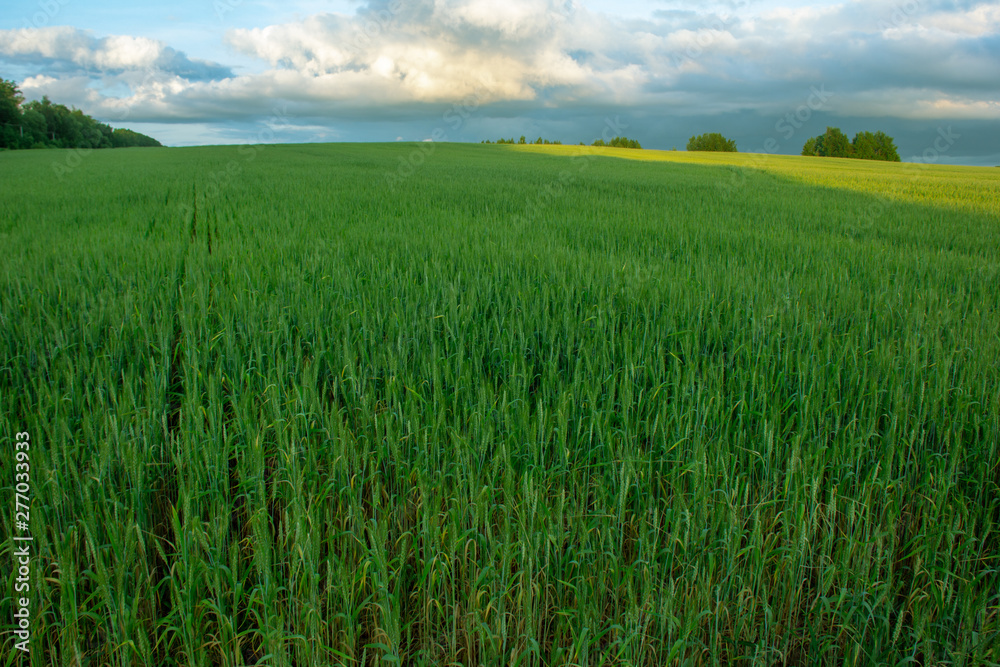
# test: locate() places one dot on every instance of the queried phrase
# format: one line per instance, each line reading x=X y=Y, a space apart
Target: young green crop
x=291 y=407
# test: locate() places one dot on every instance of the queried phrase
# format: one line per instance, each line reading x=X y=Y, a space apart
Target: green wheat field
x=441 y=404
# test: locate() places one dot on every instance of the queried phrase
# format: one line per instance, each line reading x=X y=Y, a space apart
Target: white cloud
x=979 y=21
x=513 y=19
x=924 y=105
x=430 y=51
x=73 y=49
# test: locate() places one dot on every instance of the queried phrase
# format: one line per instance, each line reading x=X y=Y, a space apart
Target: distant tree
x=712 y=141
x=61 y=126
x=617 y=142
x=122 y=138
x=812 y=146
x=49 y=113
x=835 y=143
x=624 y=142
x=42 y=124
x=34 y=128
x=10 y=101
x=865 y=146
x=94 y=133
x=11 y=132
x=885 y=148
x=874 y=146
x=538 y=142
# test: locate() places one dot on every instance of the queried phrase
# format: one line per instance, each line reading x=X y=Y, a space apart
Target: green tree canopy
x=122 y=138
x=10 y=114
x=712 y=141
x=10 y=102
x=34 y=128
x=865 y=146
x=885 y=148
x=813 y=146
x=618 y=142
x=836 y=143
x=42 y=124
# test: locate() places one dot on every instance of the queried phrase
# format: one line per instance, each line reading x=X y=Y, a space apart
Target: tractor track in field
x=166 y=492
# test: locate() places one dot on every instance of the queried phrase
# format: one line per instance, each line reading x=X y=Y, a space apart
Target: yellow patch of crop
x=967 y=188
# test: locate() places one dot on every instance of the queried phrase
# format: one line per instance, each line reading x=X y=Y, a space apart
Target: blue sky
x=768 y=74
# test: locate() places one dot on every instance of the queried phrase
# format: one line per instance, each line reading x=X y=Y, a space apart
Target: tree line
x=865 y=146
x=711 y=141
x=833 y=143
x=42 y=124
x=524 y=141
x=617 y=142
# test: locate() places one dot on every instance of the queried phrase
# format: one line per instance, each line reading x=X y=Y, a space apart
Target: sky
x=767 y=74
